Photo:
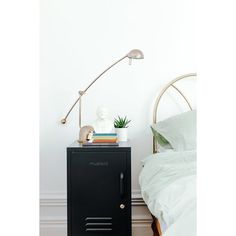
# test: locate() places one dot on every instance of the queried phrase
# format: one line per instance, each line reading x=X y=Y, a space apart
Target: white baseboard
x=53 y=220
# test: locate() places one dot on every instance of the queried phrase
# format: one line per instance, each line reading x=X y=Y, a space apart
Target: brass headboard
x=158 y=99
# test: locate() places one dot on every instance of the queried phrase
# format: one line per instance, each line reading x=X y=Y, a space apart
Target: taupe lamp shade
x=135 y=54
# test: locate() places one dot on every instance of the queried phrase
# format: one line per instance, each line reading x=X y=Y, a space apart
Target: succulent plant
x=121 y=122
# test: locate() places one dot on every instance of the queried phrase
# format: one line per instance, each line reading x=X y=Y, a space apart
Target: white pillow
x=179 y=130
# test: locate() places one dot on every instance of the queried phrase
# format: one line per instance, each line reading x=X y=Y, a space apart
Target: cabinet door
x=99 y=185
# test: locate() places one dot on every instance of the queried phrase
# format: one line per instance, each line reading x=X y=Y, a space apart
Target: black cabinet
x=99 y=190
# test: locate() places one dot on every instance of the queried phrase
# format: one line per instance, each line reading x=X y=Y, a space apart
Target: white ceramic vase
x=122 y=134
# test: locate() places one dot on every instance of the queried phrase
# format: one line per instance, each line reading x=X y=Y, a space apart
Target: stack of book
x=100 y=139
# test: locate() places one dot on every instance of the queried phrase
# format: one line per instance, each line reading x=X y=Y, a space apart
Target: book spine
x=105 y=141
x=96 y=138
x=104 y=134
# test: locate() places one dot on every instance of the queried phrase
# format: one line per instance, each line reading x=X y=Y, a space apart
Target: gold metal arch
x=158 y=99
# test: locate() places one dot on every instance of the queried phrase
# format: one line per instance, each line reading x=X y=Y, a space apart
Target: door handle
x=122 y=191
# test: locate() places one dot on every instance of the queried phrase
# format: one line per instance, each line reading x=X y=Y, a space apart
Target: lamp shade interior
x=135 y=54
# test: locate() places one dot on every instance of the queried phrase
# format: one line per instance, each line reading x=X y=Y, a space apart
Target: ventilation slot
x=98 y=224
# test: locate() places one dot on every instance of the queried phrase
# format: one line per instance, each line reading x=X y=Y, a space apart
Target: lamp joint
x=81 y=92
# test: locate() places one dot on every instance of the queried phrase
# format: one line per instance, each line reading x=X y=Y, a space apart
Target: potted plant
x=121 y=126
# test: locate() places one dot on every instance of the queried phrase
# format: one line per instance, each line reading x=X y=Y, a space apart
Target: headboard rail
x=158 y=99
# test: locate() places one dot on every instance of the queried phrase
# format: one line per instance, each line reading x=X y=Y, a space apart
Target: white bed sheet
x=168 y=186
x=184 y=226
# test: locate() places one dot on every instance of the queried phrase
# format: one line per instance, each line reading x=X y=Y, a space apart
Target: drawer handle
x=122 y=191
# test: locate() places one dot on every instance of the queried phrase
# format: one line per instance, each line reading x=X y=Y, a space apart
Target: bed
x=168 y=176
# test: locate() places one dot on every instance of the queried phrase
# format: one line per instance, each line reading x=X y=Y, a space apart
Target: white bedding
x=168 y=186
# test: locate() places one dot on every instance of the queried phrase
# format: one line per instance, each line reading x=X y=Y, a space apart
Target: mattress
x=168 y=187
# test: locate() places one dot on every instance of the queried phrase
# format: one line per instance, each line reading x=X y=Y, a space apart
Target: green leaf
x=121 y=122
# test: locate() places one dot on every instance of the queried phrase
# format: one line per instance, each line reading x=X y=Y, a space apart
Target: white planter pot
x=122 y=134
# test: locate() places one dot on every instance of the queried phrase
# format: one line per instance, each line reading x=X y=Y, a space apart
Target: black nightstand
x=99 y=190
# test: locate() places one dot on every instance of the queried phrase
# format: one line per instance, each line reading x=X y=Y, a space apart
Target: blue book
x=105 y=134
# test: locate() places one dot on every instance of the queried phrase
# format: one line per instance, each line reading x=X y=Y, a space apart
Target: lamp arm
x=104 y=73
x=63 y=121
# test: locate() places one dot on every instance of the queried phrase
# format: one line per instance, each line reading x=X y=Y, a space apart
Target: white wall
x=79 y=39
